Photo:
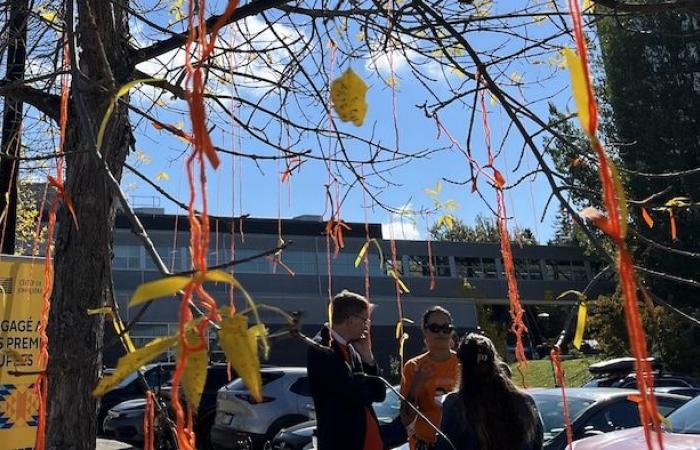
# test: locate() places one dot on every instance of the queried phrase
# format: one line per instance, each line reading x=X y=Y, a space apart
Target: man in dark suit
x=342 y=391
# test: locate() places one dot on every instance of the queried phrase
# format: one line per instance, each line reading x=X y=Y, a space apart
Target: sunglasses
x=435 y=328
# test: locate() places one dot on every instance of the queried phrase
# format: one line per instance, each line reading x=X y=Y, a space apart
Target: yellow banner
x=21 y=285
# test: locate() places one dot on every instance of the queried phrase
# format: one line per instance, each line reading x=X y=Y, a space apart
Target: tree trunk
x=11 y=140
x=83 y=277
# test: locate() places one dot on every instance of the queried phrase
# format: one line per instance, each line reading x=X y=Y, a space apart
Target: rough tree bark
x=11 y=140
x=83 y=277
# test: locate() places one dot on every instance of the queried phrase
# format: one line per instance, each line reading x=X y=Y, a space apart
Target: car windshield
x=551 y=408
x=388 y=410
x=686 y=419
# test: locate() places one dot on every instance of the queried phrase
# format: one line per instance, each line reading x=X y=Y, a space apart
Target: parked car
x=392 y=430
x=124 y=422
x=593 y=411
x=286 y=402
x=619 y=372
x=682 y=434
x=130 y=388
x=691 y=392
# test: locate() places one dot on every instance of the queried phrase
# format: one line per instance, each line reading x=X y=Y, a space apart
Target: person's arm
x=412 y=382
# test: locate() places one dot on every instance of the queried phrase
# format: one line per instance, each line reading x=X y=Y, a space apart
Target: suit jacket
x=342 y=394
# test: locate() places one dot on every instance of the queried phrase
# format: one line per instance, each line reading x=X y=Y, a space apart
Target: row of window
x=311 y=263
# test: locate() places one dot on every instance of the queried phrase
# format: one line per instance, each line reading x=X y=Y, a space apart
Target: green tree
x=651 y=63
x=664 y=338
x=484 y=230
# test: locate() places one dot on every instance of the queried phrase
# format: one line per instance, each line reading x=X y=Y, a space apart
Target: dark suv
x=130 y=388
x=619 y=373
x=125 y=421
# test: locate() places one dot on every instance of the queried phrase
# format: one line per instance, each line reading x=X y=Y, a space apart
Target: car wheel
x=277 y=425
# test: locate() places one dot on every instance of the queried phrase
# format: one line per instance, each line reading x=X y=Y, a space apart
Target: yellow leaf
x=116 y=324
x=241 y=350
x=580 y=324
x=621 y=197
x=398 y=280
x=449 y=221
x=223 y=277
x=539 y=19
x=493 y=99
x=361 y=36
x=162 y=176
x=678 y=202
x=580 y=90
x=159 y=288
x=436 y=191
x=133 y=361
x=49 y=16
x=348 y=94
x=587 y=4
x=516 y=78
x=665 y=421
x=195 y=374
x=451 y=205
x=120 y=93
x=457 y=72
x=361 y=254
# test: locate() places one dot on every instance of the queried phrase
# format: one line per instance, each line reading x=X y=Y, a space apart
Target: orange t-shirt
x=445 y=379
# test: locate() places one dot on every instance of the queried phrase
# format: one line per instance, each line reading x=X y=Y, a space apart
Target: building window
x=578 y=271
x=565 y=270
x=127 y=257
x=520 y=269
x=375 y=269
x=419 y=266
x=489 y=267
x=171 y=259
x=469 y=267
x=398 y=267
x=258 y=265
x=302 y=263
x=534 y=269
x=143 y=332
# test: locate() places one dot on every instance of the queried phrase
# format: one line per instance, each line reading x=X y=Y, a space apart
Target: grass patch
x=540 y=373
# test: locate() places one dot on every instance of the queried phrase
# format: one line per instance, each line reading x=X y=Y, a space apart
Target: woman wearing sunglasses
x=428 y=376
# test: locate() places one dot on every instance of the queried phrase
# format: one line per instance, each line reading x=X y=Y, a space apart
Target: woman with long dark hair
x=488 y=412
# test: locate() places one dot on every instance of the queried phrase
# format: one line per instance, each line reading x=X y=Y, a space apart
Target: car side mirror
x=591 y=431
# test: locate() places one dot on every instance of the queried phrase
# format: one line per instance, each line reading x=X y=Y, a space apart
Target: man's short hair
x=346 y=304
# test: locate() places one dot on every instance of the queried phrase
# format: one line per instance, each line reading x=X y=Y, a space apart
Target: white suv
x=240 y=420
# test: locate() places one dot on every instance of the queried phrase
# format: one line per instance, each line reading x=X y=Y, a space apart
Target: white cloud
x=257 y=56
x=382 y=61
x=402 y=225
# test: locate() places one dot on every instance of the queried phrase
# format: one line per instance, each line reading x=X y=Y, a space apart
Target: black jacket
x=342 y=393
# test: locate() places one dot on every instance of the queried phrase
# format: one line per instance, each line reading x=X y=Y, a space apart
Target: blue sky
x=244 y=187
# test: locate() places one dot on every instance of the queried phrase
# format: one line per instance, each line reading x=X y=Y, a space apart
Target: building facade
x=464 y=274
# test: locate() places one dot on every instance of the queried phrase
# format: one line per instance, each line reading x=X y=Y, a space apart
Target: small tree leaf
x=240 y=347
x=163 y=287
x=195 y=374
x=580 y=90
x=133 y=361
